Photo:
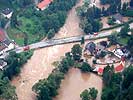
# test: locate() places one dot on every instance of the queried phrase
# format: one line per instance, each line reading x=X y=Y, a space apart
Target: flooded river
x=75 y=82
x=40 y=66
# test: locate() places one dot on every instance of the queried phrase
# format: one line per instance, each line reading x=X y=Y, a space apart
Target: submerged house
x=44 y=4
x=91 y=47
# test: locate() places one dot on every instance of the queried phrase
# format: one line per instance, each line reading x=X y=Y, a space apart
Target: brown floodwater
x=71 y=27
x=38 y=67
x=40 y=64
x=75 y=82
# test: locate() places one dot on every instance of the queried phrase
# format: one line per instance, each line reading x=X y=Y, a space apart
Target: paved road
x=53 y=42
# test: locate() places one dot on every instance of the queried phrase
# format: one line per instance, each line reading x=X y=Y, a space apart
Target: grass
x=16 y=35
x=26 y=26
x=124 y=40
x=117 y=25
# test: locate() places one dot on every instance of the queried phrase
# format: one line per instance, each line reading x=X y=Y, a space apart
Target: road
x=60 y=41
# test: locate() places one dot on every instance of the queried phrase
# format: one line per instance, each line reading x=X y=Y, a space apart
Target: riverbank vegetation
x=50 y=86
x=118 y=86
x=14 y=64
x=42 y=23
x=90 y=94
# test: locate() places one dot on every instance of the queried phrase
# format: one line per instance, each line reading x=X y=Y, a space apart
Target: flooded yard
x=76 y=82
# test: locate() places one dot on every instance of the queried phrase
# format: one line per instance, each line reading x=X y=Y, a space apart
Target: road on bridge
x=53 y=42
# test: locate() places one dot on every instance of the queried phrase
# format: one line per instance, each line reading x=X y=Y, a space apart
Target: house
x=7 y=13
x=91 y=46
x=2 y=35
x=99 y=70
x=44 y=4
x=5 y=44
x=118 y=53
x=120 y=67
x=3 y=64
x=118 y=18
x=123 y=52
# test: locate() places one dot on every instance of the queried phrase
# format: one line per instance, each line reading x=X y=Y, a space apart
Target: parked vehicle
x=26 y=48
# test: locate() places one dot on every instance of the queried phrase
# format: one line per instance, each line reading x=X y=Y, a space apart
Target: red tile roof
x=100 y=70
x=44 y=3
x=119 y=68
x=2 y=35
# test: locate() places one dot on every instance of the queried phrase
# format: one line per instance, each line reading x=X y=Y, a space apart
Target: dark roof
x=90 y=46
x=1 y=62
x=118 y=17
x=6 y=11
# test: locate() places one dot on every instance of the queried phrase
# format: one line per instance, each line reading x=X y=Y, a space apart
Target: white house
x=7 y=13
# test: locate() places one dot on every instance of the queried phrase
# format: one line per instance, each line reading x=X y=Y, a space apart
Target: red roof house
x=44 y=4
x=100 y=71
x=119 y=68
x=2 y=35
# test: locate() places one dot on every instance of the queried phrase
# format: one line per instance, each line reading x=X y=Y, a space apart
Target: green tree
x=131 y=3
x=85 y=67
x=76 y=52
x=85 y=95
x=51 y=33
x=124 y=30
x=107 y=74
x=93 y=93
x=82 y=40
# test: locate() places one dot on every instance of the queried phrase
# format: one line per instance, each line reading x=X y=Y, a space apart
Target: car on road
x=26 y=48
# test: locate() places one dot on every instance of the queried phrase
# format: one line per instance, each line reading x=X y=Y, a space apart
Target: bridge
x=73 y=39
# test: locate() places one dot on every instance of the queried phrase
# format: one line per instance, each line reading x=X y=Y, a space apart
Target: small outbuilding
x=7 y=13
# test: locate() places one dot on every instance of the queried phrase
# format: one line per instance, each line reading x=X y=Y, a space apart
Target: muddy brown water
x=75 y=82
x=40 y=64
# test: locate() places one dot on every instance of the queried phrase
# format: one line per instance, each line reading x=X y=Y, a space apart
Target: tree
x=124 y=6
x=131 y=3
x=124 y=30
x=51 y=33
x=130 y=92
x=86 y=26
x=7 y=91
x=97 y=25
x=82 y=40
x=93 y=93
x=85 y=67
x=107 y=74
x=76 y=52
x=85 y=95
x=130 y=45
x=25 y=39
x=14 y=21
x=113 y=39
x=90 y=94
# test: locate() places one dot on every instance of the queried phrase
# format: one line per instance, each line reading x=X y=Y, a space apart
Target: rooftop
x=2 y=35
x=6 y=11
x=44 y=3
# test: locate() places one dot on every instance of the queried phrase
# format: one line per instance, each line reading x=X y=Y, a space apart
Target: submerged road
x=60 y=41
